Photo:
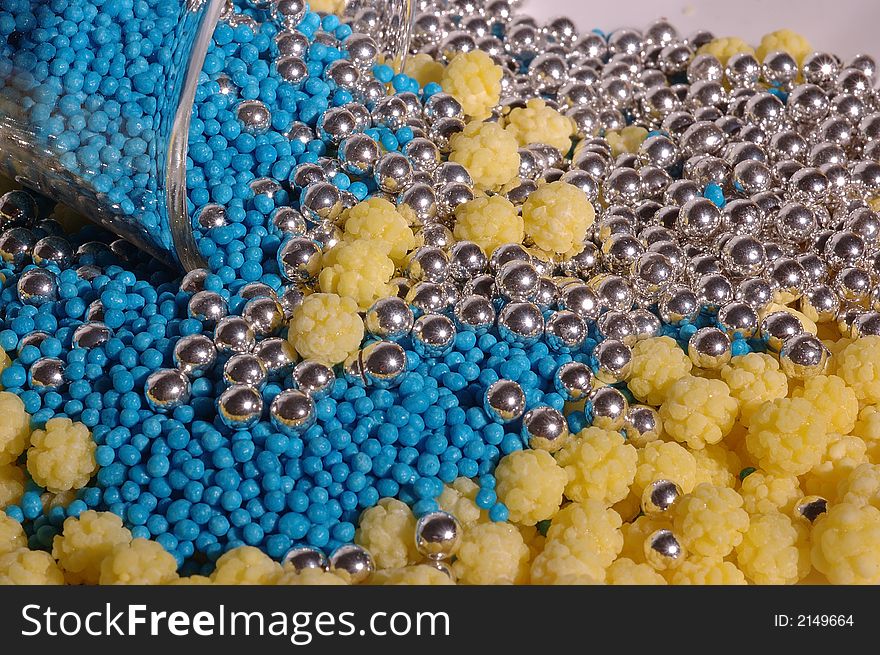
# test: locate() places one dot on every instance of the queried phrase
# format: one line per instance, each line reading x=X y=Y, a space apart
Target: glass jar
x=96 y=100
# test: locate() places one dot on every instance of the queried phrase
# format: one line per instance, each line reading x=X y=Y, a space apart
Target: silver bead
x=207 y=307
x=277 y=355
x=867 y=324
x=320 y=201
x=46 y=374
x=810 y=508
x=246 y=369
x=702 y=137
x=583 y=264
x=18 y=208
x=678 y=305
x=16 y=246
x=699 y=219
x=53 y=250
x=389 y=318
x=254 y=116
x=427 y=297
x=612 y=292
x=755 y=292
x=504 y=401
x=474 y=313
x=194 y=354
x=393 y=172
x=292 y=412
x=438 y=535
x=287 y=221
x=313 y=378
x=645 y=324
x=517 y=280
x=428 y=263
x=358 y=155
x=256 y=290
x=433 y=335
x=37 y=286
x=547 y=73
x=300 y=132
x=853 y=285
x=659 y=497
x=614 y=359
x=743 y=255
x=566 y=332
x=844 y=249
x=305 y=557
x=239 y=407
x=166 y=390
x=651 y=274
x=354 y=561
x=306 y=174
x=641 y=425
x=382 y=363
x=573 y=381
x=714 y=291
x=617 y=325
x=299 y=258
x=663 y=550
x=779 y=326
x=287 y=13
x=362 y=50
x=507 y=253
x=291 y=42
x=738 y=318
x=233 y=335
x=803 y=356
x=265 y=315
x=820 y=68
x=820 y=303
x=520 y=323
x=466 y=259
x=609 y=408
x=92 y=334
x=788 y=278
x=709 y=348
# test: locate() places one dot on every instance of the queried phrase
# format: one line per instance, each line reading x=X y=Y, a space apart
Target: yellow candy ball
x=62 y=456
x=29 y=567
x=376 y=219
x=539 y=123
x=85 y=541
x=139 y=562
x=530 y=483
x=14 y=429
x=386 y=530
x=488 y=151
x=246 y=565
x=359 y=270
x=557 y=217
x=326 y=328
x=488 y=221
x=473 y=79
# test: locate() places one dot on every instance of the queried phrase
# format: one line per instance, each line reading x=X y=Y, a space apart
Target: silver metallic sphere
x=652 y=274
x=645 y=324
x=663 y=550
x=37 y=286
x=573 y=381
x=466 y=259
x=358 y=155
x=642 y=425
x=659 y=497
x=265 y=315
x=362 y=50
x=427 y=297
x=433 y=335
x=194 y=354
x=867 y=324
x=167 y=389
x=545 y=428
x=809 y=508
x=287 y=13
x=438 y=535
x=517 y=280
x=609 y=408
x=699 y=219
x=91 y=335
x=853 y=285
x=803 y=356
x=521 y=323
x=382 y=363
x=314 y=378
x=18 y=208
x=428 y=263
x=292 y=412
x=504 y=401
x=245 y=369
x=616 y=325
x=738 y=319
x=474 y=313
x=844 y=249
x=208 y=307
x=299 y=258
x=714 y=291
x=756 y=292
x=393 y=172
x=321 y=201
x=53 y=250
x=354 y=561
x=389 y=318
x=287 y=220
x=678 y=305
x=16 y=246
x=46 y=374
x=614 y=360
x=277 y=355
x=233 y=334
x=305 y=557
x=743 y=256
x=565 y=332
x=777 y=327
x=709 y=348
x=820 y=303
x=254 y=116
x=239 y=407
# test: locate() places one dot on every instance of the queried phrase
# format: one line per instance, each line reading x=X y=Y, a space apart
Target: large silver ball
x=358 y=155
x=233 y=334
x=254 y=116
x=756 y=292
x=166 y=390
x=820 y=303
x=616 y=325
x=699 y=219
x=393 y=172
x=53 y=250
x=389 y=318
x=609 y=408
x=277 y=355
x=16 y=246
x=663 y=550
x=573 y=381
x=305 y=557
x=18 y=208
x=777 y=327
x=321 y=201
x=382 y=364
x=314 y=378
x=844 y=249
x=853 y=285
x=207 y=307
x=37 y=287
x=428 y=263
x=292 y=412
x=194 y=354
x=743 y=255
x=299 y=258
x=194 y=281
x=517 y=280
x=867 y=324
x=354 y=561
x=427 y=297
x=438 y=535
x=545 y=428
x=504 y=401
x=92 y=334
x=642 y=425
x=466 y=259
x=614 y=361
x=645 y=324
x=265 y=315
x=46 y=374
x=239 y=407
x=287 y=220
x=245 y=369
x=709 y=348
x=714 y=291
x=659 y=497
x=287 y=13
x=521 y=323
x=809 y=508
x=803 y=356
x=433 y=335
x=738 y=319
x=565 y=331
x=474 y=313
x=678 y=305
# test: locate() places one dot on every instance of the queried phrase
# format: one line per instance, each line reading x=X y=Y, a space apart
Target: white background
x=845 y=27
